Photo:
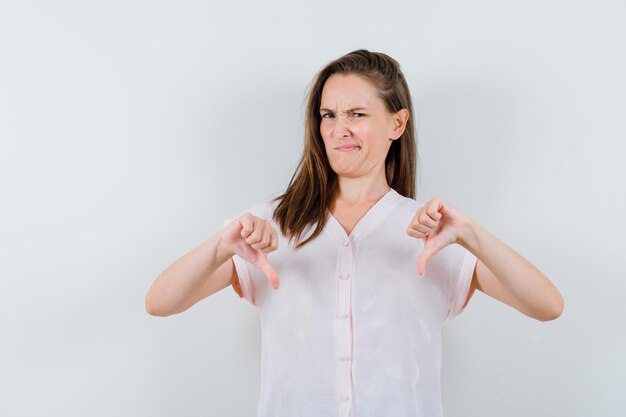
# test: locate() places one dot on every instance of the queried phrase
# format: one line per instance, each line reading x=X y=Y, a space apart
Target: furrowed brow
x=347 y=111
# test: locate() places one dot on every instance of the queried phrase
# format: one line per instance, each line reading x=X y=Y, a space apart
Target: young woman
x=352 y=276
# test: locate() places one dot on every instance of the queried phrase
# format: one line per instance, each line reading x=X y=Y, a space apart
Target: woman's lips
x=348 y=148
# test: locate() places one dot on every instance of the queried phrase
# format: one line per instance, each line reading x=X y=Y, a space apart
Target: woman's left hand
x=439 y=224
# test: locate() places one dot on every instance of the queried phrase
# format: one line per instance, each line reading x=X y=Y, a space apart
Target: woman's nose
x=341 y=127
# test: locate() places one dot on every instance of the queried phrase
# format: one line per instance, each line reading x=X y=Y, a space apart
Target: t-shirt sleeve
x=455 y=266
x=252 y=283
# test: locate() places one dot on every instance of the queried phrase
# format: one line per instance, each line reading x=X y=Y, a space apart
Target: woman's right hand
x=251 y=238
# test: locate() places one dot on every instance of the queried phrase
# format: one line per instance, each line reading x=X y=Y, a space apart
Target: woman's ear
x=400 y=118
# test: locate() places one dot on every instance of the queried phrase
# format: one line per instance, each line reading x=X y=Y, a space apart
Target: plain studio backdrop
x=129 y=130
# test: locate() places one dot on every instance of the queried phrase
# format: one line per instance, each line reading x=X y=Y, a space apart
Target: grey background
x=129 y=130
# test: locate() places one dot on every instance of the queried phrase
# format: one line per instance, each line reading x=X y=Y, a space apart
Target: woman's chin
x=345 y=172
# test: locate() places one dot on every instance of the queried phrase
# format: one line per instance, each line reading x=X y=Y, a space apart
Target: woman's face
x=356 y=127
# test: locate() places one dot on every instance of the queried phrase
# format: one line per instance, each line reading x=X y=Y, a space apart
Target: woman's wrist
x=223 y=250
x=467 y=235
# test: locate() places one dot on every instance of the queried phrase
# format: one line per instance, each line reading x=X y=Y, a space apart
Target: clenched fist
x=251 y=238
x=439 y=224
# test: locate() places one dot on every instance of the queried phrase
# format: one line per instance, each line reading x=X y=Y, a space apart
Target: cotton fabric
x=353 y=331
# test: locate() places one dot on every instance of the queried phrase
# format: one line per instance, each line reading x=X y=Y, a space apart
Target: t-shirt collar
x=377 y=212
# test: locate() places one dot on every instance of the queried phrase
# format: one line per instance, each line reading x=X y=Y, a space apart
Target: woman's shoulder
x=407 y=204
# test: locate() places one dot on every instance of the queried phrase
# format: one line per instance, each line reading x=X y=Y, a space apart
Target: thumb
x=421 y=260
x=269 y=271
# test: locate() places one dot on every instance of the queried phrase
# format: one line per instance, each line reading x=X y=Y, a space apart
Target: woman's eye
x=327 y=115
x=358 y=115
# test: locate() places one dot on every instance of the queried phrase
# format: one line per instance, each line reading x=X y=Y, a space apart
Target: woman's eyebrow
x=347 y=111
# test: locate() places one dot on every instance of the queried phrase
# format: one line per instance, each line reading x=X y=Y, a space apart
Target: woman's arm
x=196 y=275
x=500 y=272
x=506 y=276
x=209 y=267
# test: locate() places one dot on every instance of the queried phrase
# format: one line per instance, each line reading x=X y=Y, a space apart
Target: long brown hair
x=313 y=187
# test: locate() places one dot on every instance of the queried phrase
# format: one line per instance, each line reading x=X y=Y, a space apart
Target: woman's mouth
x=348 y=148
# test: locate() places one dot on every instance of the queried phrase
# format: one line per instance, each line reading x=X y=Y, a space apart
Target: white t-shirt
x=353 y=331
